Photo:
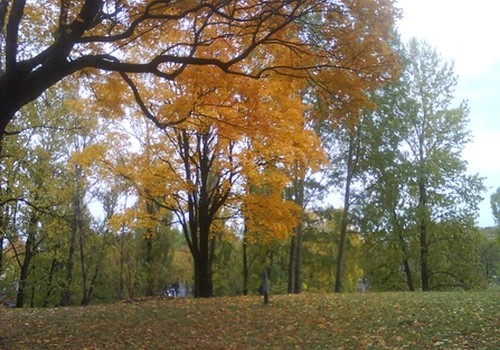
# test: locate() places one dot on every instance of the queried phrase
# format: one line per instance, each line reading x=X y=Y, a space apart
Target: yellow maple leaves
x=258 y=131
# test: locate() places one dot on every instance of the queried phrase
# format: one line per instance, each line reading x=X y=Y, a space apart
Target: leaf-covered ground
x=460 y=320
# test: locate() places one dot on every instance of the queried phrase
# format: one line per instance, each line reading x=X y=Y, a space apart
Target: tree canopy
x=42 y=45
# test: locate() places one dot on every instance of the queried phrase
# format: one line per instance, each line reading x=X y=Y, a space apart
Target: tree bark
x=339 y=269
x=297 y=287
x=291 y=265
x=53 y=268
x=121 y=287
x=202 y=283
x=66 y=294
x=90 y=293
x=297 y=193
x=83 y=264
x=149 y=266
x=422 y=206
x=404 y=249
x=203 y=268
x=29 y=251
x=424 y=269
x=2 y=237
x=245 y=262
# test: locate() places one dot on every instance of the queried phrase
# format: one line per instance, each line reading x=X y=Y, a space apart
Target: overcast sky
x=467 y=32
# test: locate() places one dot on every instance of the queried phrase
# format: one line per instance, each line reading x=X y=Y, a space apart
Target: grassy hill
x=445 y=320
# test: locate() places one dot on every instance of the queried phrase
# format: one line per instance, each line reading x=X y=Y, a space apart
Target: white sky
x=467 y=32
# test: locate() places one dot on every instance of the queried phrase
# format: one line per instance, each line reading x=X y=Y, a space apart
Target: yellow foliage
x=259 y=129
x=121 y=221
x=268 y=217
x=88 y=156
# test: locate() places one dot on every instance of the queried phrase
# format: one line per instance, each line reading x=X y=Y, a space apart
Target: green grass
x=458 y=320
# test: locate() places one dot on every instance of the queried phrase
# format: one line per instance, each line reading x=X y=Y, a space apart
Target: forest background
x=208 y=158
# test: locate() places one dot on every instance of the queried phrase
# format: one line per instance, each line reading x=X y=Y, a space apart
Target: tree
x=345 y=146
x=36 y=203
x=203 y=164
x=495 y=206
x=322 y=238
x=46 y=193
x=440 y=179
x=489 y=249
x=419 y=180
x=43 y=45
x=202 y=54
x=381 y=209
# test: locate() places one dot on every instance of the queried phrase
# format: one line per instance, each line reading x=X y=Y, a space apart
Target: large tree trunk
x=202 y=282
x=203 y=269
x=23 y=82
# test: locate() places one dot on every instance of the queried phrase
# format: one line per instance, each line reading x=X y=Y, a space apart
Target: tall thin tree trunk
x=3 y=221
x=339 y=269
x=211 y=259
x=424 y=270
x=2 y=238
x=299 y=190
x=291 y=265
x=28 y=255
x=122 y=266
x=245 y=262
x=90 y=293
x=76 y=223
x=422 y=201
x=83 y=265
x=296 y=193
x=66 y=293
x=149 y=266
x=404 y=249
x=297 y=288
x=97 y=269
x=52 y=270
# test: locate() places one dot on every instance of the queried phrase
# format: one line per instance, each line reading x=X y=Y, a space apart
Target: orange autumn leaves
x=253 y=135
x=256 y=133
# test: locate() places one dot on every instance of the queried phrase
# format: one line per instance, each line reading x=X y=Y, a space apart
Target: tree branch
x=16 y=13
